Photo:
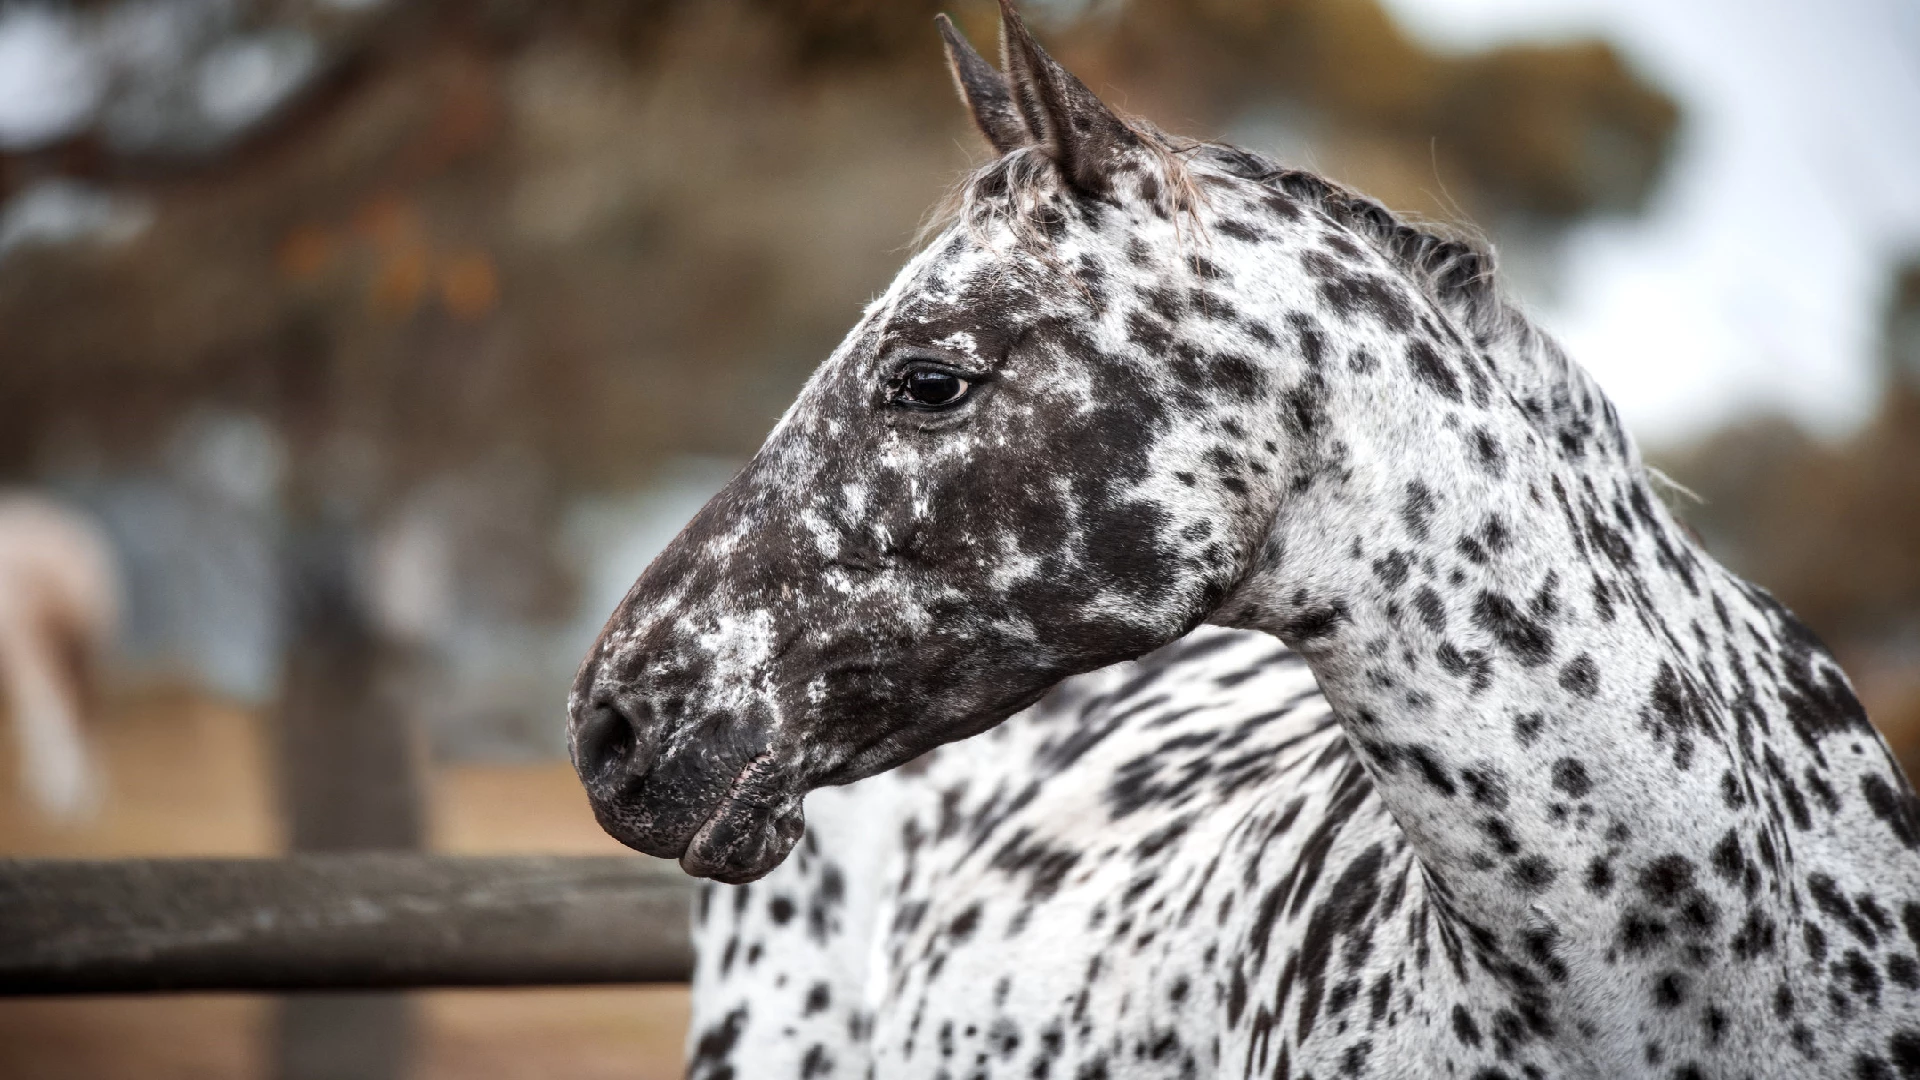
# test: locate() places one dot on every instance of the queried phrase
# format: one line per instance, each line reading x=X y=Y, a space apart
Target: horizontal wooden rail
x=339 y=922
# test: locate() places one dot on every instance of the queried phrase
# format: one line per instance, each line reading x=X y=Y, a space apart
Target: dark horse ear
x=985 y=92
x=1080 y=133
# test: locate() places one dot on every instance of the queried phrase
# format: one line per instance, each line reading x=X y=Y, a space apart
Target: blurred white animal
x=59 y=605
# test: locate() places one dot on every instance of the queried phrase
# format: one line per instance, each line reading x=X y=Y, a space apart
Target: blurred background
x=355 y=355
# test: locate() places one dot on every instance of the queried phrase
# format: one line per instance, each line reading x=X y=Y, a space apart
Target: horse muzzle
x=713 y=800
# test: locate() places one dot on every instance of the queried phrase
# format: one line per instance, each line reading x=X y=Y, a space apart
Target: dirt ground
x=186 y=776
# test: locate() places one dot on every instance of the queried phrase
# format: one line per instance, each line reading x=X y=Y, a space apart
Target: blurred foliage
x=1551 y=132
x=1833 y=530
x=601 y=231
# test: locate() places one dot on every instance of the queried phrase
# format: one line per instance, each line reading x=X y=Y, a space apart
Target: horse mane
x=1457 y=270
x=1454 y=268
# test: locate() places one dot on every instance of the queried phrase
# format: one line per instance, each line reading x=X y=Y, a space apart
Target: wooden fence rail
x=339 y=922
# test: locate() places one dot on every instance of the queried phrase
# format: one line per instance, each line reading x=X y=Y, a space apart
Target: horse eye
x=932 y=389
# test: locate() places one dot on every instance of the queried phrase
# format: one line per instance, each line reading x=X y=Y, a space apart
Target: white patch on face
x=1013 y=566
x=721 y=545
x=962 y=342
x=899 y=457
x=825 y=537
x=855 y=496
x=740 y=646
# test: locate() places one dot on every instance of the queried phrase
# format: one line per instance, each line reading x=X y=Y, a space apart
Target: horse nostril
x=609 y=744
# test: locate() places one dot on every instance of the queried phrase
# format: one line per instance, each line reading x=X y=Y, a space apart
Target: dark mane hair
x=1455 y=270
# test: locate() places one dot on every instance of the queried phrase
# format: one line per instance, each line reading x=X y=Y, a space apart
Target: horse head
x=1057 y=441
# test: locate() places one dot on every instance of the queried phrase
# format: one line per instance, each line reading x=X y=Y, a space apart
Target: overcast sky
x=1758 y=276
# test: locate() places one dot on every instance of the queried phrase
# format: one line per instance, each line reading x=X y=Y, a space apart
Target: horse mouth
x=750 y=831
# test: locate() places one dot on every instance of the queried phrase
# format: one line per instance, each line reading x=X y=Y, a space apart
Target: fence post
x=350 y=779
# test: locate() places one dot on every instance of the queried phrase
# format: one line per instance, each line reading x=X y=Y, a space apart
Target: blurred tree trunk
x=350 y=780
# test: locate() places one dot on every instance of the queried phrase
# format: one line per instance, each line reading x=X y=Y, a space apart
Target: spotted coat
x=1540 y=790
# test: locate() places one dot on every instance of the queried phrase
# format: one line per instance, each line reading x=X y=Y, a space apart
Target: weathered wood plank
x=339 y=921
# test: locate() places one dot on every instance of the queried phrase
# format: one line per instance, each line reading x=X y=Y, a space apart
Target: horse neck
x=1542 y=672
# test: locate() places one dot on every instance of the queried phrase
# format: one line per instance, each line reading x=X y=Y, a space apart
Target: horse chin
x=744 y=840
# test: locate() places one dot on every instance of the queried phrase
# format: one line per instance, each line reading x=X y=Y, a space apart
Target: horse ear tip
x=949 y=32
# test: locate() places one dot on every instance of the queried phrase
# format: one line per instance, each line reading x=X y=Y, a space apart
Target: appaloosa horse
x=1540 y=790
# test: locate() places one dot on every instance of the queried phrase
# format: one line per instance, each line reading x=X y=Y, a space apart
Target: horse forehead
x=995 y=273
x=957 y=296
